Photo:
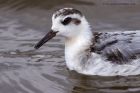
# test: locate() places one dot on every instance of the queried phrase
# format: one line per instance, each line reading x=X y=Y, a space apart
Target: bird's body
x=112 y=53
x=95 y=53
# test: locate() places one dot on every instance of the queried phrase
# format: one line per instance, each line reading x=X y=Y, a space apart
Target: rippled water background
x=26 y=70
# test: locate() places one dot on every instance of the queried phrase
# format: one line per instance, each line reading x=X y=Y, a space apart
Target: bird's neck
x=77 y=48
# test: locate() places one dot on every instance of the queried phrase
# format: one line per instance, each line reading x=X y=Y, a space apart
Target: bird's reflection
x=97 y=84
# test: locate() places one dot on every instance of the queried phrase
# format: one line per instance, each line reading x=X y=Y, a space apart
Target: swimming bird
x=94 y=53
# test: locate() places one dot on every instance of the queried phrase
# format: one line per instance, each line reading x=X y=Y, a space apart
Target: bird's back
x=117 y=47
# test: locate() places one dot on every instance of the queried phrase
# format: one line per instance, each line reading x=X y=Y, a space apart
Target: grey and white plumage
x=117 y=47
x=95 y=53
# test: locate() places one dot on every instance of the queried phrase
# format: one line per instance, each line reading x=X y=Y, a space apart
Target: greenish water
x=26 y=70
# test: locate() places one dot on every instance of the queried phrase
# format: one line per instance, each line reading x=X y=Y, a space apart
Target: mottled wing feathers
x=117 y=47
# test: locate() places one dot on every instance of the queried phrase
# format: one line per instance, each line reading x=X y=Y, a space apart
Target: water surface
x=26 y=70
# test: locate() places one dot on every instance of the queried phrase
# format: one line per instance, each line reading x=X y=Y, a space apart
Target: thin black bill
x=46 y=38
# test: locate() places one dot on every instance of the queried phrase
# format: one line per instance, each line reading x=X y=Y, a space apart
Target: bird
x=89 y=52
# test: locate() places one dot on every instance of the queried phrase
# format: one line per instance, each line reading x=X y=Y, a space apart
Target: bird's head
x=67 y=22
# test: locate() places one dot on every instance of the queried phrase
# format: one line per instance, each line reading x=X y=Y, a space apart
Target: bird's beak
x=46 y=38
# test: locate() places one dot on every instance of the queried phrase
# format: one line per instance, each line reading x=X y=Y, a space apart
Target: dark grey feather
x=117 y=47
x=67 y=11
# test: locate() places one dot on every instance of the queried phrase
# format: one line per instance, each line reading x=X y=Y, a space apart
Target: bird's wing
x=119 y=47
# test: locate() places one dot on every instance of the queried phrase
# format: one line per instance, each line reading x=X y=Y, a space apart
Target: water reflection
x=25 y=70
x=45 y=4
x=97 y=84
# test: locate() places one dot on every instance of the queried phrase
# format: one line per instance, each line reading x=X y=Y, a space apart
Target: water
x=26 y=70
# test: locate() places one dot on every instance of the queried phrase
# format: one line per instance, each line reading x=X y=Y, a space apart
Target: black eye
x=66 y=21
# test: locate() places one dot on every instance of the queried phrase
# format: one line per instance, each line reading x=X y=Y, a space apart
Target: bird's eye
x=66 y=21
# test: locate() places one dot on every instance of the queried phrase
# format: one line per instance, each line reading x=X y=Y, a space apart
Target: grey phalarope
x=95 y=53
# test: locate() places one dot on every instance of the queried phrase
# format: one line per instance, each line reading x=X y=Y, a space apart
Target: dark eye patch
x=66 y=21
x=76 y=21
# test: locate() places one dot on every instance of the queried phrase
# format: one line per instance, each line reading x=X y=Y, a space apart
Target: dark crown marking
x=67 y=11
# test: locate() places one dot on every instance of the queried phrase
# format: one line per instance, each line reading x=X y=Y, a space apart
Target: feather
x=117 y=47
